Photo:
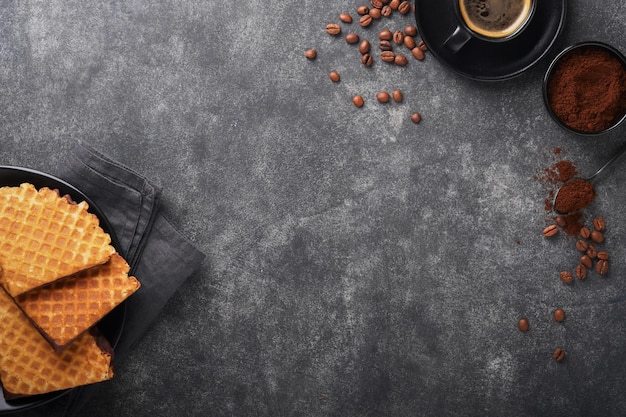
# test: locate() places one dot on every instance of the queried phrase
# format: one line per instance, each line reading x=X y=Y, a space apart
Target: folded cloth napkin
x=159 y=256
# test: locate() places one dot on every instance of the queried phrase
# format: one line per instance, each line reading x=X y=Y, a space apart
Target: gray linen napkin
x=159 y=256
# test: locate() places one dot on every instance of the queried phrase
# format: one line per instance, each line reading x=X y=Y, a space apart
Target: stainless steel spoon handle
x=614 y=158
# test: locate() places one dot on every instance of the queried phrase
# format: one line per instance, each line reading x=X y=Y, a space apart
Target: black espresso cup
x=489 y=20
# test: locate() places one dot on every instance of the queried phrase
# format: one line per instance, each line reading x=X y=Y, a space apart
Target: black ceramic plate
x=111 y=326
x=490 y=61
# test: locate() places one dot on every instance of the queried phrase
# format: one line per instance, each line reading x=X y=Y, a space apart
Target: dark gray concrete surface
x=357 y=264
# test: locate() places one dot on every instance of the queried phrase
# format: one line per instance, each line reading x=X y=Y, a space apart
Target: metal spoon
x=590 y=179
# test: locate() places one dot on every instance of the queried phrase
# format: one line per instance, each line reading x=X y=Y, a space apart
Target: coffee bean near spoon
x=577 y=193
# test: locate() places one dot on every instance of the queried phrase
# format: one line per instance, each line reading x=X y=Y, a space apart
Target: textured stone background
x=357 y=264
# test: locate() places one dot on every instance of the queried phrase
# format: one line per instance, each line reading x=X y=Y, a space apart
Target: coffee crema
x=495 y=19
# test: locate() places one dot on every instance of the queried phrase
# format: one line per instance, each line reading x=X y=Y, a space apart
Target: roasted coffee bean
x=592 y=252
x=400 y=60
x=603 y=255
x=397 y=96
x=581 y=271
x=523 y=324
x=364 y=46
x=333 y=29
x=334 y=76
x=385 y=11
x=385 y=46
x=597 y=237
x=409 y=42
x=367 y=60
x=310 y=53
x=375 y=13
x=599 y=224
x=559 y=314
x=385 y=35
x=394 y=4
x=551 y=230
x=585 y=233
x=352 y=38
x=417 y=53
x=358 y=101
x=558 y=354
x=345 y=18
x=566 y=277
x=602 y=267
x=382 y=97
x=416 y=117
x=560 y=220
x=362 y=10
x=587 y=261
x=376 y=4
x=398 y=37
x=365 y=20
x=387 y=56
x=422 y=46
x=410 y=30
x=404 y=7
x=582 y=246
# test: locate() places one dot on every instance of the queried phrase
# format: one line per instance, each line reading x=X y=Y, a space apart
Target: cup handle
x=457 y=40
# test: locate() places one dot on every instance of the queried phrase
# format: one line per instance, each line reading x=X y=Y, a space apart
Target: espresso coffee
x=495 y=18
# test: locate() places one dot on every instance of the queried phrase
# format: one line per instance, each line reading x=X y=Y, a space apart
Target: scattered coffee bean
x=422 y=45
x=416 y=117
x=409 y=42
x=581 y=271
x=602 y=267
x=398 y=37
x=377 y=4
x=603 y=255
x=599 y=224
x=385 y=45
x=394 y=4
x=352 y=38
x=410 y=30
x=566 y=277
x=334 y=76
x=597 y=237
x=400 y=60
x=582 y=246
x=592 y=252
x=560 y=220
x=345 y=18
x=387 y=56
x=333 y=29
x=310 y=54
x=375 y=13
x=523 y=324
x=367 y=60
x=585 y=233
x=397 y=96
x=550 y=230
x=364 y=46
x=587 y=261
x=365 y=20
x=417 y=53
x=385 y=11
x=382 y=97
x=358 y=101
x=559 y=314
x=362 y=10
x=558 y=354
x=404 y=7
x=385 y=35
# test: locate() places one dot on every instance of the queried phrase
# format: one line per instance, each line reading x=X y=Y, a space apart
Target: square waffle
x=44 y=237
x=30 y=366
x=69 y=306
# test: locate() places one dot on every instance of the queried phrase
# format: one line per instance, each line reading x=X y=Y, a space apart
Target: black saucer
x=490 y=61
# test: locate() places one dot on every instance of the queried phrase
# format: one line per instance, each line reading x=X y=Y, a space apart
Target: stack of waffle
x=59 y=276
